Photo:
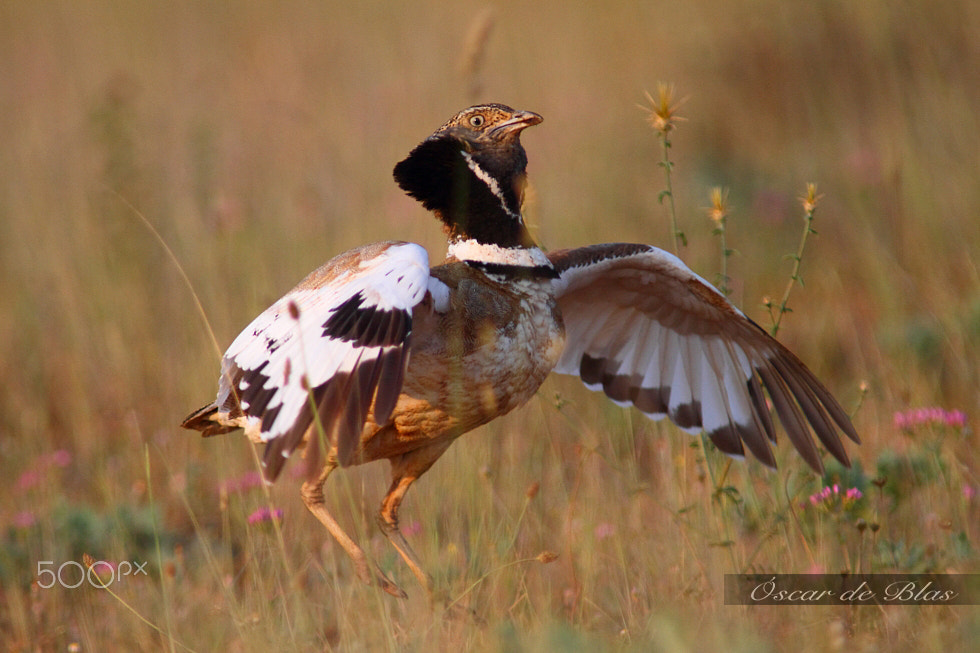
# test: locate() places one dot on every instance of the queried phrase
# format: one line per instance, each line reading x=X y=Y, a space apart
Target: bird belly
x=476 y=363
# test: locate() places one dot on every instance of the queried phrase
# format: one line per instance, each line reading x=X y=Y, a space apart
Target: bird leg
x=312 y=493
x=405 y=469
x=388 y=521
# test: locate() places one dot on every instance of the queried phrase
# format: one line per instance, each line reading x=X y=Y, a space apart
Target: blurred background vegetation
x=257 y=141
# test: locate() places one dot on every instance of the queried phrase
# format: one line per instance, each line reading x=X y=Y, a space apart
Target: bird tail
x=207 y=421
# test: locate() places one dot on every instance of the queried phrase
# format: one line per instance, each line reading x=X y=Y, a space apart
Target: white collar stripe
x=473 y=250
x=491 y=183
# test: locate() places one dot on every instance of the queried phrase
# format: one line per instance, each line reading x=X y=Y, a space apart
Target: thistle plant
x=718 y=212
x=809 y=201
x=663 y=118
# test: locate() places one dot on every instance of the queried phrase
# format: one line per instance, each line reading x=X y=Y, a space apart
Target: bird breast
x=491 y=350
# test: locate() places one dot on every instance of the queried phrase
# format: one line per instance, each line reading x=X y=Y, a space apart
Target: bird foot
x=379 y=578
x=388 y=586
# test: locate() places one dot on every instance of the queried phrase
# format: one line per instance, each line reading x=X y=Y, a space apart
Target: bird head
x=471 y=173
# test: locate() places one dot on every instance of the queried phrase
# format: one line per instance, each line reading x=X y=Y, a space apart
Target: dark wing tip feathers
x=801 y=401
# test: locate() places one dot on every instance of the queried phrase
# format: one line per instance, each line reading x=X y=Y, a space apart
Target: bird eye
x=477 y=120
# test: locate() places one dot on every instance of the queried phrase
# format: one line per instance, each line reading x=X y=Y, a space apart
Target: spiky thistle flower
x=810 y=199
x=718 y=212
x=663 y=110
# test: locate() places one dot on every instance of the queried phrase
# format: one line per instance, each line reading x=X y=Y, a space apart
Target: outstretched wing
x=647 y=331
x=338 y=341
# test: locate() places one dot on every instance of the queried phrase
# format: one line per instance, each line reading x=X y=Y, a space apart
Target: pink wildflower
x=265 y=514
x=604 y=530
x=831 y=495
x=413 y=528
x=33 y=476
x=24 y=519
x=58 y=458
x=246 y=481
x=28 y=479
x=105 y=565
x=911 y=419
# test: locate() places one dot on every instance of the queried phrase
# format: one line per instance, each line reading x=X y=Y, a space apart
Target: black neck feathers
x=474 y=185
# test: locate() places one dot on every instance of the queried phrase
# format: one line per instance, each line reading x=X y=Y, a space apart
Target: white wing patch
x=340 y=339
x=649 y=332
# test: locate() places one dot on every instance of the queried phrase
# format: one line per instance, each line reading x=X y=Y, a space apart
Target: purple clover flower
x=265 y=514
x=909 y=420
x=245 y=482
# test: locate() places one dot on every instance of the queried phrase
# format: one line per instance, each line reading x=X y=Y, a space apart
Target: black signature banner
x=852 y=589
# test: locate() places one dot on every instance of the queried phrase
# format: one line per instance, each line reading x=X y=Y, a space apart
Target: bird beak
x=519 y=121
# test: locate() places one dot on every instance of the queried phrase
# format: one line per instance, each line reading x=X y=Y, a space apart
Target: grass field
x=256 y=141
